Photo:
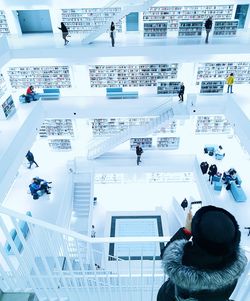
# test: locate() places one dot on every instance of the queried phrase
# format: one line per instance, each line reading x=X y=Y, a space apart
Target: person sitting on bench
x=31 y=95
x=39 y=185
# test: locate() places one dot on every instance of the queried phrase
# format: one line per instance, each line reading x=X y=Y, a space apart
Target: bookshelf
x=145 y=143
x=7 y=107
x=110 y=126
x=155 y=29
x=39 y=77
x=168 y=142
x=86 y=20
x=190 y=29
x=207 y=71
x=169 y=127
x=212 y=124
x=56 y=127
x=4 y=28
x=168 y=87
x=227 y=28
x=212 y=86
x=3 y=87
x=60 y=144
x=174 y=14
x=166 y=177
x=136 y=75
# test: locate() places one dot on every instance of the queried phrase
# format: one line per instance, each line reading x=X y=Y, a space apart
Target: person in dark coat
x=181 y=92
x=65 y=33
x=207 y=267
x=31 y=159
x=139 y=152
x=212 y=172
x=184 y=204
x=208 y=26
x=112 y=34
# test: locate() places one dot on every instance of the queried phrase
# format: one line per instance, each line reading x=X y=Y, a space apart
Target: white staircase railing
x=126 y=9
x=53 y=265
x=97 y=147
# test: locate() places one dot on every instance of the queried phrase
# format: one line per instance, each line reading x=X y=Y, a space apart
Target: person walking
x=203 y=261
x=139 y=152
x=208 y=26
x=112 y=33
x=31 y=159
x=65 y=33
x=230 y=81
x=181 y=92
x=93 y=232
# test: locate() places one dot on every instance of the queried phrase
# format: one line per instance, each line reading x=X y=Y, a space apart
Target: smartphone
x=194 y=206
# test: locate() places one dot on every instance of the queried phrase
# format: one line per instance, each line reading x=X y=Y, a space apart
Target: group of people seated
x=229 y=176
x=38 y=187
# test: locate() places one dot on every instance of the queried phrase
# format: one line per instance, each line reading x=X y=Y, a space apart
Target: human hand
x=189 y=220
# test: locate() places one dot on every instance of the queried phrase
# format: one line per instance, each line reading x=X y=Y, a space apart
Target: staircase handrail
x=76 y=235
x=133 y=129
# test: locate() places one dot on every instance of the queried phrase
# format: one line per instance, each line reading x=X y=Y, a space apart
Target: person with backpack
x=203 y=261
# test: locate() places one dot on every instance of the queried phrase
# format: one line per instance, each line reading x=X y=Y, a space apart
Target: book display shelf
x=85 y=20
x=225 y=28
x=207 y=71
x=145 y=143
x=7 y=107
x=141 y=75
x=40 y=77
x=168 y=142
x=110 y=126
x=212 y=124
x=190 y=29
x=168 y=87
x=60 y=144
x=155 y=30
x=56 y=127
x=4 y=28
x=169 y=127
x=174 y=14
x=3 y=87
x=166 y=177
x=212 y=86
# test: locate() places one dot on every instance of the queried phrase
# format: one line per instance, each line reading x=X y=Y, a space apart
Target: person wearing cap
x=203 y=260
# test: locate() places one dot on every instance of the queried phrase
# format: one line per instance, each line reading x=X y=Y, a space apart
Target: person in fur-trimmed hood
x=207 y=267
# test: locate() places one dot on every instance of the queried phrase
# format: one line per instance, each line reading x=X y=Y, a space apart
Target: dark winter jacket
x=212 y=170
x=198 y=276
x=182 y=89
x=30 y=156
x=208 y=24
x=138 y=150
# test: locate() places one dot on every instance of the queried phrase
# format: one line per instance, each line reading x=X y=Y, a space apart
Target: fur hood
x=188 y=277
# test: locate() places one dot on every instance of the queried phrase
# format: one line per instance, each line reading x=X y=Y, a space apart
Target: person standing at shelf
x=31 y=159
x=208 y=26
x=65 y=33
x=112 y=33
x=230 y=81
x=139 y=152
x=181 y=92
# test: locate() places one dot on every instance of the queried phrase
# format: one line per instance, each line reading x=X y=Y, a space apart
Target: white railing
x=58 y=264
x=157 y=116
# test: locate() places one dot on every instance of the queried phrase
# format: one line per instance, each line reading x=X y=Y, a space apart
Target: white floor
x=139 y=196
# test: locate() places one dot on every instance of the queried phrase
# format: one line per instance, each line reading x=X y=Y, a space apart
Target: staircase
x=82 y=203
x=126 y=8
x=159 y=115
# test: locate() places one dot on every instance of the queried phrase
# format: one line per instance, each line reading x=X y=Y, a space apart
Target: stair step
x=18 y=297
